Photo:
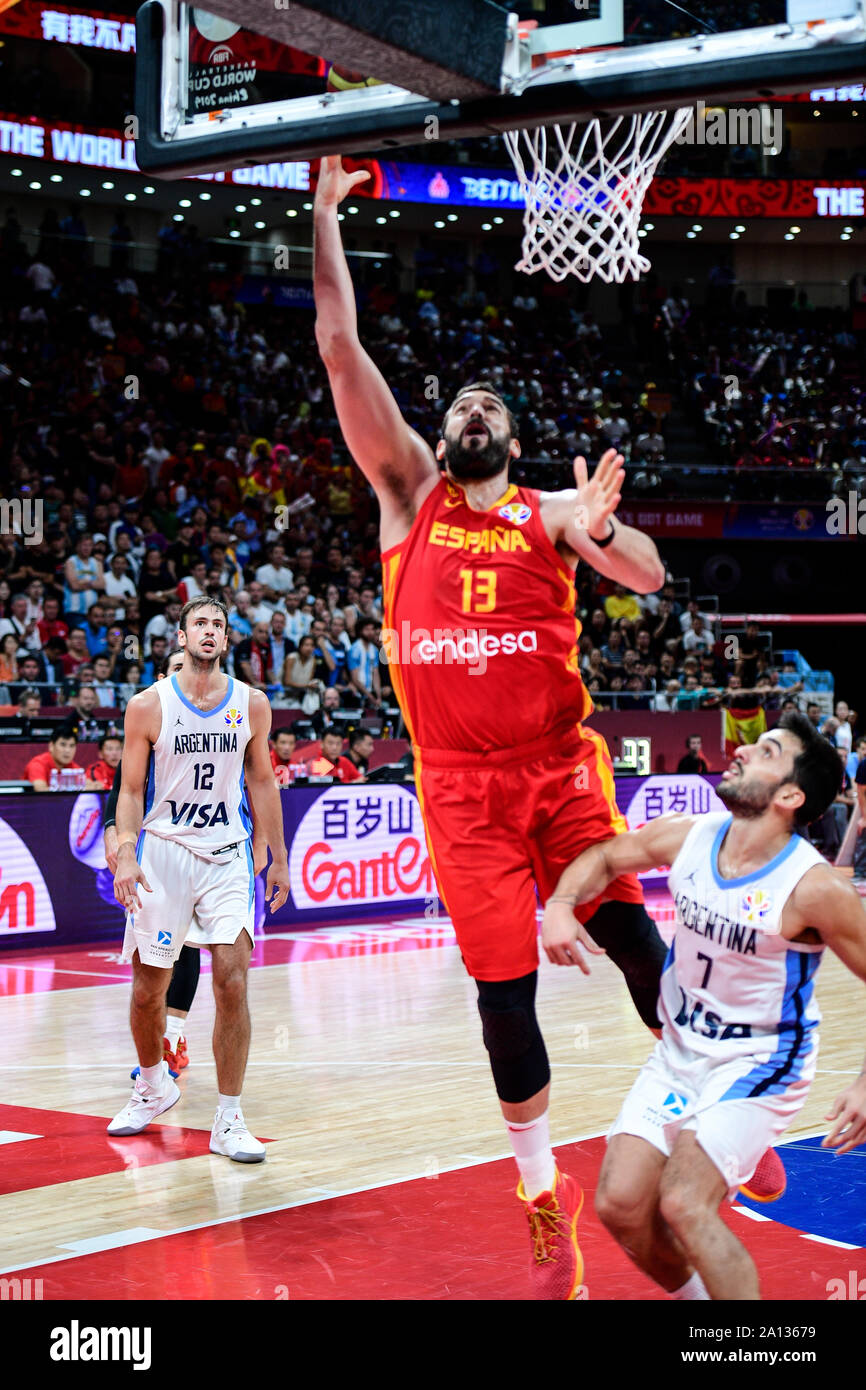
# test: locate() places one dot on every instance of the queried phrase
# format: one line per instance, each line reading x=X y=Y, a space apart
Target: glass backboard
x=213 y=93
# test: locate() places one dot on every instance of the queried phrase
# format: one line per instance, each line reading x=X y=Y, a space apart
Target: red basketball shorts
x=499 y=825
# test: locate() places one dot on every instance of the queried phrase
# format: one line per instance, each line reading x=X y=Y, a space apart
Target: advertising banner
x=356 y=853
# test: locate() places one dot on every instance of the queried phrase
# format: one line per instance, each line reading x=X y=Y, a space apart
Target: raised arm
x=580 y=518
x=586 y=877
x=392 y=456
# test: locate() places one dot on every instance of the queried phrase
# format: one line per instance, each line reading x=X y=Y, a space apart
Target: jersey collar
x=454 y=495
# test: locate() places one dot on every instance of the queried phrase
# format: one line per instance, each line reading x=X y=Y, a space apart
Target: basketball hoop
x=584 y=187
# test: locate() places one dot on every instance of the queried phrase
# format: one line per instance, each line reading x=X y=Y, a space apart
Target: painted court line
x=321 y=1195
x=825 y=1240
x=112 y=1241
x=317 y=1194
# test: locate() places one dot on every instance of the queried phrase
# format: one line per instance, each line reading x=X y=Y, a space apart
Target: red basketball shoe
x=769 y=1180
x=556 y=1264
x=176 y=1060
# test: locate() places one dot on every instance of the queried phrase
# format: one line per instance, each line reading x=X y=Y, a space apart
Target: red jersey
x=480 y=630
x=103 y=774
x=40 y=768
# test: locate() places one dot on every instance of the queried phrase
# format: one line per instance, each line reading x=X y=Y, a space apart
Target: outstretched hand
x=560 y=933
x=598 y=499
x=335 y=183
x=849 y=1117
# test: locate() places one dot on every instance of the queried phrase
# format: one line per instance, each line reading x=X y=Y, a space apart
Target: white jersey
x=732 y=985
x=195 y=785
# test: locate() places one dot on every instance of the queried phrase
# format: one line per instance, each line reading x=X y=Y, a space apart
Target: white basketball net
x=584 y=187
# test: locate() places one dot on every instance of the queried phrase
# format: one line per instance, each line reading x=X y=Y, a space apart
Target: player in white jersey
x=195 y=745
x=755 y=907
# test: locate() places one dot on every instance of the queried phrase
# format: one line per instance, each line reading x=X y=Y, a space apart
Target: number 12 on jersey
x=479 y=590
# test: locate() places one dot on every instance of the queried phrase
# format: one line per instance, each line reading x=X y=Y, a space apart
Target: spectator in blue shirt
x=855 y=758
x=95 y=629
x=362 y=664
x=153 y=666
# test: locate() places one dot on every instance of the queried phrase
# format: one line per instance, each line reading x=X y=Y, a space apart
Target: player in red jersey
x=481 y=640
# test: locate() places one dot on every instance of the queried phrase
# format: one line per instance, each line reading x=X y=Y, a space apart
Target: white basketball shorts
x=678 y=1091
x=196 y=900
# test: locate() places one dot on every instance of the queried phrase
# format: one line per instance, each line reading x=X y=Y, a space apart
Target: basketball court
x=387 y=1176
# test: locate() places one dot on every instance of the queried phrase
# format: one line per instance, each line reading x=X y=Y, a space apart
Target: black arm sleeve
x=111 y=804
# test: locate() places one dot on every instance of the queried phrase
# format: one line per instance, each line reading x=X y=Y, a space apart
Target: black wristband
x=608 y=538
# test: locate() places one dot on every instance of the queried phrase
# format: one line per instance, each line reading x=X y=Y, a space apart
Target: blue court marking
x=826 y=1194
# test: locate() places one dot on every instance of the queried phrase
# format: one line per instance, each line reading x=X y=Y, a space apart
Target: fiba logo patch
x=756 y=905
x=674 y=1104
x=518 y=512
x=234 y=718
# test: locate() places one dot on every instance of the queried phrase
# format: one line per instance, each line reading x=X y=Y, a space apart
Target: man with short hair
x=360 y=751
x=29 y=705
x=45 y=770
x=95 y=629
x=327 y=763
x=165 y=625
x=119 y=588
x=110 y=752
x=51 y=624
x=298 y=620
x=286 y=769
x=193 y=584
x=253 y=658
x=30 y=672
x=158 y=653
x=18 y=623
x=696 y=638
x=362 y=663
x=693 y=760
x=259 y=610
x=103 y=686
x=280 y=644
x=739 y=1041
x=195 y=868
x=275 y=577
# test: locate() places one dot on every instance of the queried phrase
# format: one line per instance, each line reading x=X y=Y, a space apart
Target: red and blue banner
x=355 y=853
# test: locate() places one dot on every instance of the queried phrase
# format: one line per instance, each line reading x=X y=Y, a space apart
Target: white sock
x=174 y=1030
x=154 y=1075
x=531 y=1145
x=692 y=1290
x=232 y=1103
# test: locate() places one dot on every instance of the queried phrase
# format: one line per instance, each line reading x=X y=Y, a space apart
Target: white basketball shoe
x=231 y=1137
x=145 y=1103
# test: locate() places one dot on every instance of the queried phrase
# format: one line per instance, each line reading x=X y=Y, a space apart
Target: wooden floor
x=366 y=1070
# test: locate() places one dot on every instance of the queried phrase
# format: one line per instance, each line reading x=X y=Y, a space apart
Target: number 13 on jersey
x=479 y=590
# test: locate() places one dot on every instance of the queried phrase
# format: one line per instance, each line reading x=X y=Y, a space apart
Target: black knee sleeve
x=184 y=980
x=630 y=937
x=518 y=1057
